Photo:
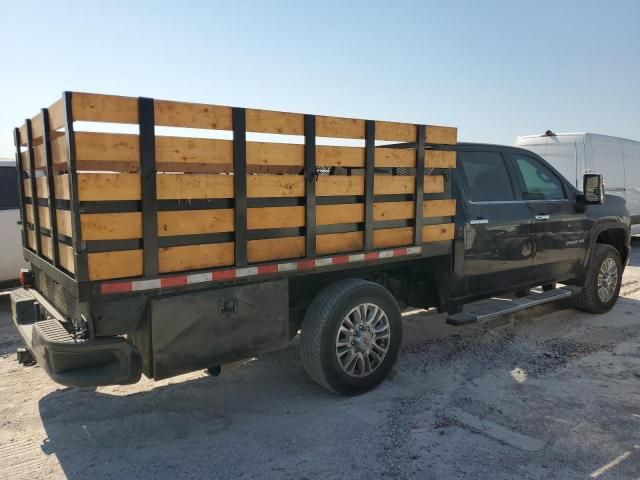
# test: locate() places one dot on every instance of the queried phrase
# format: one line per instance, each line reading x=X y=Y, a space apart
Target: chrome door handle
x=542 y=217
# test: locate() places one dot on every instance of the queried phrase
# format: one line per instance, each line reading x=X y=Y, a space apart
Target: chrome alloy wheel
x=607 y=279
x=363 y=340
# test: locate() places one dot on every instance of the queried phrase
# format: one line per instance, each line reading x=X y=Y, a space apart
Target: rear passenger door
x=560 y=230
x=498 y=228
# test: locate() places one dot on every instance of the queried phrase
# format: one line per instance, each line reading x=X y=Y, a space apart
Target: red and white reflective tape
x=107 y=288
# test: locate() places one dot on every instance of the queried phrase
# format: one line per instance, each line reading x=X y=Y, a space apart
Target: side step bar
x=489 y=309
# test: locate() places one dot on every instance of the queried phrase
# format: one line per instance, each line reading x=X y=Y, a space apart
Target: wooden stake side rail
x=139 y=205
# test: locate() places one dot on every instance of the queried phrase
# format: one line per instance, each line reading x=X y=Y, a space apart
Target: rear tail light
x=26 y=278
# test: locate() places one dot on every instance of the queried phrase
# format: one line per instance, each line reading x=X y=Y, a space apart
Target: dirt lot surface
x=551 y=393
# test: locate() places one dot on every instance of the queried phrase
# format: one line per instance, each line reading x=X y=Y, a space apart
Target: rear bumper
x=69 y=361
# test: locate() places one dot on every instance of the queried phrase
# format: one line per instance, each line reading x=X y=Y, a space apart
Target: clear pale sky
x=495 y=69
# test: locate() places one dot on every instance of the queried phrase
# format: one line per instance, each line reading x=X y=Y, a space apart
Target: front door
x=498 y=229
x=560 y=230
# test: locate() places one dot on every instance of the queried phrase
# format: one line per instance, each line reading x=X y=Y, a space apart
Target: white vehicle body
x=574 y=154
x=11 y=260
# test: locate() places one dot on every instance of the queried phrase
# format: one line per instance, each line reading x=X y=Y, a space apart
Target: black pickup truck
x=518 y=225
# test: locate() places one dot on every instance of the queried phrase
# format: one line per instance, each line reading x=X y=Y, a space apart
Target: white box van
x=574 y=154
x=11 y=260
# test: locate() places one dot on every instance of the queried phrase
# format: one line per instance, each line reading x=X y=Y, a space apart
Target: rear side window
x=540 y=182
x=8 y=188
x=485 y=177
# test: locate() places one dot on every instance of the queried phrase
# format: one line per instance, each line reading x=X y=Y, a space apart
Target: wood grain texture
x=192 y=115
x=267 y=121
x=439 y=208
x=93 y=107
x=265 y=153
x=57 y=115
x=121 y=264
x=275 y=186
x=339 y=213
x=36 y=126
x=111 y=226
x=339 y=185
x=433 y=184
x=339 y=242
x=391 y=184
x=106 y=186
x=183 y=150
x=392 y=237
x=42 y=187
x=194 y=186
x=61 y=186
x=65 y=257
x=393 y=211
x=442 y=135
x=402 y=132
x=275 y=217
x=395 y=157
x=275 y=249
x=439 y=159
x=437 y=233
x=330 y=156
x=193 y=222
x=337 y=127
x=194 y=257
x=64 y=222
x=119 y=149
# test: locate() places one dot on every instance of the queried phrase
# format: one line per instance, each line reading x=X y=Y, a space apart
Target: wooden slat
x=275 y=249
x=193 y=222
x=439 y=208
x=26 y=187
x=24 y=157
x=339 y=185
x=193 y=186
x=264 y=153
x=392 y=237
x=182 y=150
x=46 y=248
x=337 y=127
x=42 y=187
x=105 y=186
x=106 y=265
x=65 y=257
x=43 y=213
x=23 y=134
x=433 y=184
x=330 y=156
x=59 y=153
x=395 y=157
x=437 y=233
x=340 y=213
x=275 y=186
x=339 y=242
x=440 y=159
x=61 y=188
x=393 y=211
x=29 y=212
x=36 y=126
x=57 y=115
x=118 y=151
x=94 y=107
x=64 y=222
x=392 y=184
x=38 y=157
x=193 y=257
x=31 y=239
x=275 y=217
x=443 y=135
x=111 y=226
x=267 y=121
x=192 y=115
x=403 y=132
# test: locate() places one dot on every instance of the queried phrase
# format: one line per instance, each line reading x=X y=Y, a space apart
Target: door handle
x=542 y=217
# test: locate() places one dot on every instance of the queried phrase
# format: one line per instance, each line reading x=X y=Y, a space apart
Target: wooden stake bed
x=229 y=194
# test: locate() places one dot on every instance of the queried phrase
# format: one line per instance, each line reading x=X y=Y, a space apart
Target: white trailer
x=574 y=154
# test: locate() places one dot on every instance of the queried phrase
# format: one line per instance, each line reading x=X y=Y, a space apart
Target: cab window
x=540 y=182
x=485 y=177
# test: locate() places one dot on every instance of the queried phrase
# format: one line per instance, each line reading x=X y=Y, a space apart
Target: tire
x=320 y=336
x=590 y=299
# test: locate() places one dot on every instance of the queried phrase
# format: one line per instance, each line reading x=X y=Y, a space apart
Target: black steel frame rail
x=53 y=218
x=21 y=178
x=32 y=182
x=146 y=120
x=419 y=192
x=311 y=176
x=240 y=184
x=369 y=179
x=80 y=261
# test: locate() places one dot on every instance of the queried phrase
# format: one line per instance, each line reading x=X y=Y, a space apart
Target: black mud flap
x=203 y=329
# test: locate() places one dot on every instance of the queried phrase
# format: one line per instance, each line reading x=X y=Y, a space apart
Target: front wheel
x=350 y=336
x=604 y=277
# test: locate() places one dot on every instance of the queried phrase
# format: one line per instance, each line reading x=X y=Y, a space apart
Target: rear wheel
x=604 y=277
x=350 y=336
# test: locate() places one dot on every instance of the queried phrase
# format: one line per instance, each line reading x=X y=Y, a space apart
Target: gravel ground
x=549 y=393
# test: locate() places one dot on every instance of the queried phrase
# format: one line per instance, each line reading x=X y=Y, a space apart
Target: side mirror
x=593 y=188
